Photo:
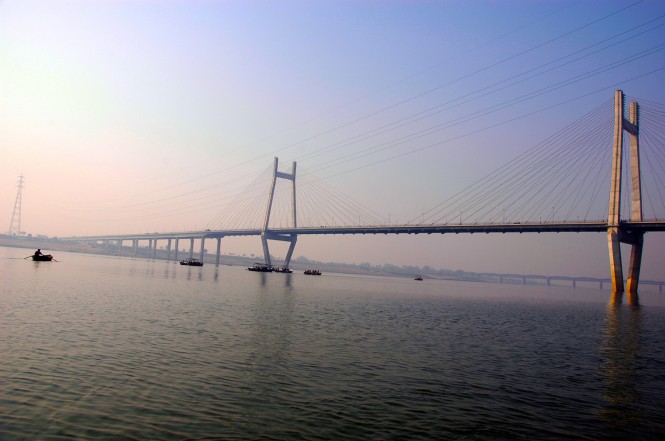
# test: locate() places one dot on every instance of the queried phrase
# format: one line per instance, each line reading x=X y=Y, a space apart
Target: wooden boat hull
x=42 y=258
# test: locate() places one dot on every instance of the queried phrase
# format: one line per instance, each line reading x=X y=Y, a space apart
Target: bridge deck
x=478 y=228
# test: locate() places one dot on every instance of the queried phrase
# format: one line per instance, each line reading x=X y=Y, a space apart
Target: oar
x=27 y=257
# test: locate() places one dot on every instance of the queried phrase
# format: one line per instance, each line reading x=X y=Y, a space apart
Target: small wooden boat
x=191 y=262
x=313 y=272
x=42 y=257
x=260 y=267
x=418 y=278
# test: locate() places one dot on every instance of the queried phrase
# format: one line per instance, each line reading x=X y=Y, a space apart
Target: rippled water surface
x=108 y=348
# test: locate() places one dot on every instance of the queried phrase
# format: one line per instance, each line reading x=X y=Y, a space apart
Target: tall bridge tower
x=15 y=224
x=266 y=234
x=618 y=233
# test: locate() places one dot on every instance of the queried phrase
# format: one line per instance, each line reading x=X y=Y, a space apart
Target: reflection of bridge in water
x=566 y=172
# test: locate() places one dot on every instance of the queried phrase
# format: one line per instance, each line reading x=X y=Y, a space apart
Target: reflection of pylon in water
x=15 y=225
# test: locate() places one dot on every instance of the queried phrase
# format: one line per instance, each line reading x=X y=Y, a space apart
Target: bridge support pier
x=191 y=248
x=266 y=234
x=135 y=245
x=203 y=242
x=616 y=268
x=616 y=234
x=219 y=247
x=177 y=244
x=168 y=249
x=289 y=253
x=635 y=263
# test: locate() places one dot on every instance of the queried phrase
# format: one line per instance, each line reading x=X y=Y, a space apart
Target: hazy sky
x=146 y=115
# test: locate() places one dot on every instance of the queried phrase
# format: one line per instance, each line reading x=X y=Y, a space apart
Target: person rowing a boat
x=38 y=252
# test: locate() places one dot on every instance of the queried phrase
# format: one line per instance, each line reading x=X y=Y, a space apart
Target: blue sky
x=109 y=106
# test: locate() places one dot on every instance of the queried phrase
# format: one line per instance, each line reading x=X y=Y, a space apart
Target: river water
x=98 y=347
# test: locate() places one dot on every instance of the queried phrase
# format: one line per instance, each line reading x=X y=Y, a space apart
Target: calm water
x=107 y=348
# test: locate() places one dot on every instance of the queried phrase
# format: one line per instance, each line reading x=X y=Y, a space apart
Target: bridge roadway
x=477 y=228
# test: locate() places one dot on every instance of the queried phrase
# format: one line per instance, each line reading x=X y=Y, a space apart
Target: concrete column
x=266 y=219
x=203 y=242
x=219 y=247
x=574 y=283
x=617 y=161
x=266 y=250
x=154 y=250
x=635 y=264
x=135 y=244
x=294 y=238
x=177 y=244
x=637 y=244
x=614 y=210
x=168 y=249
x=632 y=298
x=635 y=177
x=294 y=212
x=616 y=273
x=191 y=248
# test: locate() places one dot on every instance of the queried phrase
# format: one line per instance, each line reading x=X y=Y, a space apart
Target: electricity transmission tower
x=15 y=224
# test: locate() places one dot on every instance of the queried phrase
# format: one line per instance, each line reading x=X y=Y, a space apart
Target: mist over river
x=97 y=347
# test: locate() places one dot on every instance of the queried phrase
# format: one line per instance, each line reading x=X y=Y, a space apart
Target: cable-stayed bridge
x=559 y=185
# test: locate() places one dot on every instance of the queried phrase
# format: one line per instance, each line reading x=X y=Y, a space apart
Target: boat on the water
x=282 y=270
x=191 y=262
x=313 y=272
x=260 y=267
x=418 y=278
x=42 y=258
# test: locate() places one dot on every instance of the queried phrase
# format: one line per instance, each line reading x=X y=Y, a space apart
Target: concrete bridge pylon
x=616 y=233
x=266 y=234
